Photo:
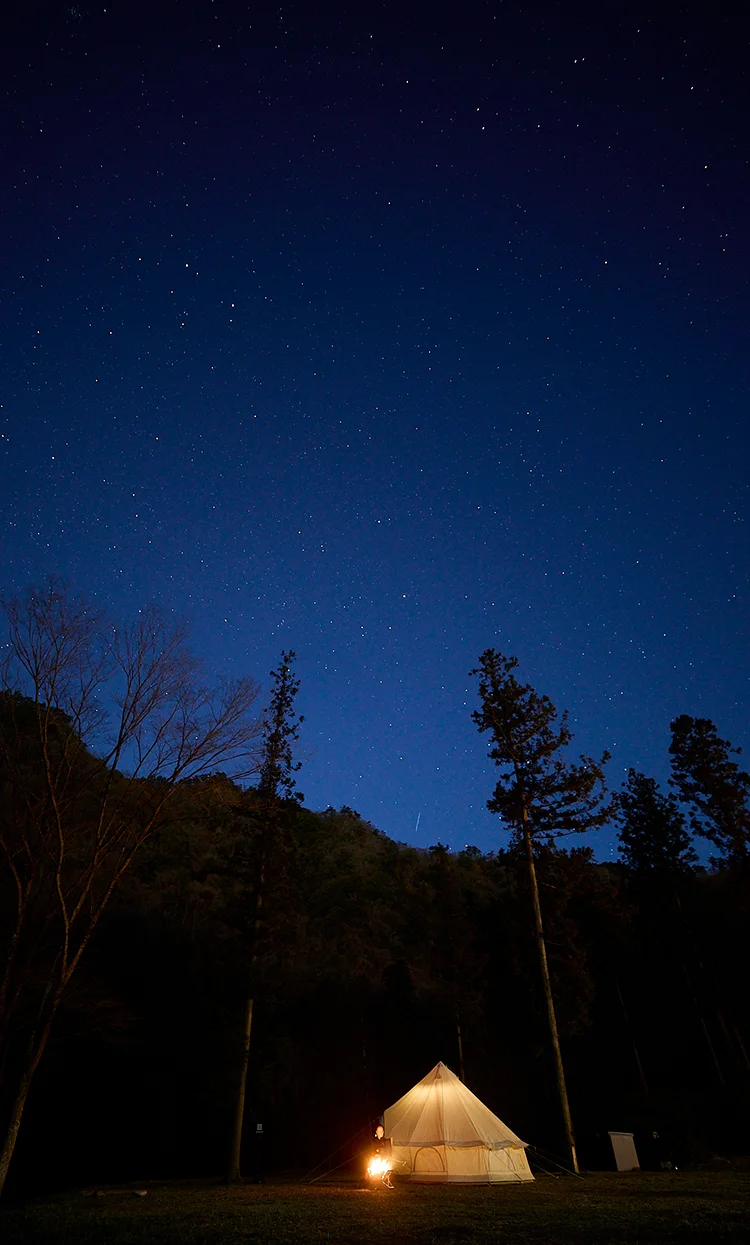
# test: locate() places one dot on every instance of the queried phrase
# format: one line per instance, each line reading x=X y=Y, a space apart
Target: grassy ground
x=632 y=1209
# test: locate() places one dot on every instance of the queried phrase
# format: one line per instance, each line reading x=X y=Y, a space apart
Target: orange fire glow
x=378 y=1166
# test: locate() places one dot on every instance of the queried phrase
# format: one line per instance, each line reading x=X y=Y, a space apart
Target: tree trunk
x=719 y=1016
x=741 y=1045
x=704 y=1026
x=14 y=1125
x=233 y=1173
x=631 y=1035
x=542 y=948
x=365 y=1072
x=35 y=1052
x=461 y=1069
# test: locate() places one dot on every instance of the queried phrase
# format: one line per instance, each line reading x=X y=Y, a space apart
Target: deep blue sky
x=389 y=333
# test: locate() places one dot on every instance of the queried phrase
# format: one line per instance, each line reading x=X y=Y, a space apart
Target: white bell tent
x=442 y=1134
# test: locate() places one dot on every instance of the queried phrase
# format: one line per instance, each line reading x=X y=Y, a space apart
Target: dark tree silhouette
x=99 y=727
x=276 y=783
x=653 y=837
x=539 y=794
x=713 y=785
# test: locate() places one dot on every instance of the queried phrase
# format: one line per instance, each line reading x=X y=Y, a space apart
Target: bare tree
x=99 y=726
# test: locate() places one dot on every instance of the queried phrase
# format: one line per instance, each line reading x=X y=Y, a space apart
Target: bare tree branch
x=99 y=725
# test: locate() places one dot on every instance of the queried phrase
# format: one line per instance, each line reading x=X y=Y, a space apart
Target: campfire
x=378 y=1166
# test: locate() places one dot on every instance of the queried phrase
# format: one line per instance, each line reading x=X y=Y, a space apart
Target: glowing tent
x=443 y=1134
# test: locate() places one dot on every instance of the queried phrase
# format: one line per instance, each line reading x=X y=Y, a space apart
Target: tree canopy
x=538 y=783
x=713 y=786
x=653 y=835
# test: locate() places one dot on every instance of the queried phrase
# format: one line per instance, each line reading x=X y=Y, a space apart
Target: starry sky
x=389 y=333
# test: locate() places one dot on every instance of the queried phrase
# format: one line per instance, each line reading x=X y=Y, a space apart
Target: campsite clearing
x=601 y=1209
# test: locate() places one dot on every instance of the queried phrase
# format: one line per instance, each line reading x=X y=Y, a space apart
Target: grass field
x=637 y=1208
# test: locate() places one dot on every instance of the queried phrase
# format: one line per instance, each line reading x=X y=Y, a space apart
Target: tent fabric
x=442 y=1133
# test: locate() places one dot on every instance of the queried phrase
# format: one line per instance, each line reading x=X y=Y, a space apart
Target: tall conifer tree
x=539 y=794
x=276 y=784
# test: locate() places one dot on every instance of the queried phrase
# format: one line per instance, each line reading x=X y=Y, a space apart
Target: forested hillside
x=373 y=953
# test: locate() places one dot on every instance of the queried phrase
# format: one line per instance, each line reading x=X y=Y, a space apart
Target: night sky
x=388 y=334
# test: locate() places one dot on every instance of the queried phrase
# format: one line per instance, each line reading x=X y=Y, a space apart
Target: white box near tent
x=626 y=1156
